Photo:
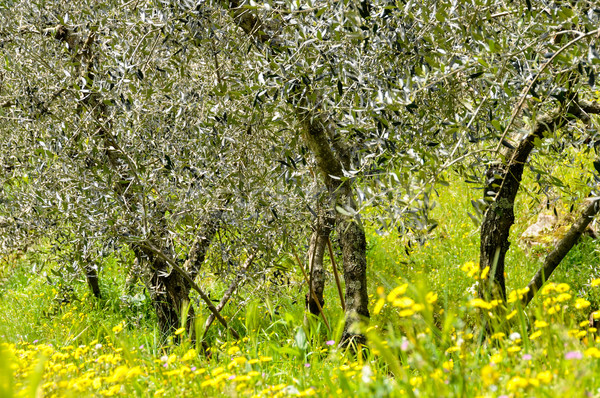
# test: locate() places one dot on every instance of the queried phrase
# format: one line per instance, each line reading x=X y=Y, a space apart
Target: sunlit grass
x=425 y=335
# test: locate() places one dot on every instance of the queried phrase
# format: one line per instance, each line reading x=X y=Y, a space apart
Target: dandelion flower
x=118 y=328
x=581 y=303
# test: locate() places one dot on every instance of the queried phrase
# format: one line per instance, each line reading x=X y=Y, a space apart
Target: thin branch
x=535 y=78
x=227 y=295
x=504 y=13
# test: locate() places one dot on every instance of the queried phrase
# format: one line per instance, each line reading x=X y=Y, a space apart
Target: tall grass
x=425 y=335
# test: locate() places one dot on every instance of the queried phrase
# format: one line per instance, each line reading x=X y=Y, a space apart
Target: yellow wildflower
x=119 y=375
x=489 y=375
x=406 y=313
x=218 y=371
x=545 y=377
x=378 y=306
x=397 y=291
x=480 y=303
x=517 y=382
x=403 y=302
x=592 y=352
x=179 y=331
x=448 y=365
x=470 y=268
x=562 y=288
x=548 y=288
x=554 y=310
x=416 y=381
x=581 y=303
x=540 y=324
x=431 y=297
x=496 y=358
x=485 y=272
x=511 y=315
x=118 y=328
x=535 y=335
x=189 y=355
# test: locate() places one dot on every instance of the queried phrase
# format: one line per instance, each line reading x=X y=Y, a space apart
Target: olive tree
x=122 y=133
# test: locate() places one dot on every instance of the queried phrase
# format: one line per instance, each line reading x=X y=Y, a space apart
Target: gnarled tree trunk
x=323 y=226
x=503 y=183
x=348 y=224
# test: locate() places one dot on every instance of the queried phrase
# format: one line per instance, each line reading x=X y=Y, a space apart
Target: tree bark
x=89 y=269
x=150 y=248
x=91 y=276
x=323 y=226
x=348 y=224
x=503 y=183
x=169 y=294
x=561 y=250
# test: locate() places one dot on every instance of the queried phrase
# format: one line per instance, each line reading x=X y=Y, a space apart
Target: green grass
x=424 y=336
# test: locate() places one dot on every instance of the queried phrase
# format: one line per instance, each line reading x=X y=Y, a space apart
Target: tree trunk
x=318 y=243
x=561 y=250
x=495 y=230
x=88 y=267
x=354 y=247
x=503 y=183
x=331 y=158
x=91 y=276
x=349 y=227
x=169 y=289
x=170 y=293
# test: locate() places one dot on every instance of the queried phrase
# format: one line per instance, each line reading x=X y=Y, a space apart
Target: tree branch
x=534 y=80
x=560 y=251
x=202 y=243
x=227 y=295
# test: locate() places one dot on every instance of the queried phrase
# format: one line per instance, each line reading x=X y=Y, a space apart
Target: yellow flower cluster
x=518 y=294
x=406 y=305
x=519 y=382
x=473 y=271
x=480 y=303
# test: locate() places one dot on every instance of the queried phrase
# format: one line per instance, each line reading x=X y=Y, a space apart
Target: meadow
x=425 y=337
